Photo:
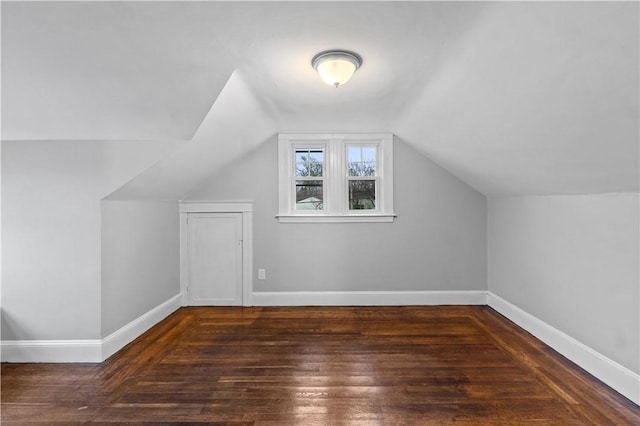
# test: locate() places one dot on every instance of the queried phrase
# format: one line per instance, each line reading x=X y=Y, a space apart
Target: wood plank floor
x=325 y=366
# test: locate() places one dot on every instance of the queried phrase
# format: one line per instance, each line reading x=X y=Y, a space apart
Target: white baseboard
x=128 y=333
x=51 y=350
x=620 y=378
x=369 y=298
x=85 y=350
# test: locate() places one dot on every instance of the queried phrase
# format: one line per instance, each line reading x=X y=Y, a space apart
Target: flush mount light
x=336 y=67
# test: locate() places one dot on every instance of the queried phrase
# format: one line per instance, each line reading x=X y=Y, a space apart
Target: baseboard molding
x=51 y=350
x=620 y=378
x=85 y=350
x=369 y=298
x=128 y=333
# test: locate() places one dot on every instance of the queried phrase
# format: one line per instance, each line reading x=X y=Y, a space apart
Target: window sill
x=307 y=218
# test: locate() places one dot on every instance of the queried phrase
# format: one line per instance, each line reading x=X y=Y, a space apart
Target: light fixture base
x=336 y=67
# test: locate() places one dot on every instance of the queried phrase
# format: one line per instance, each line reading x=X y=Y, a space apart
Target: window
x=309 y=173
x=335 y=177
x=361 y=176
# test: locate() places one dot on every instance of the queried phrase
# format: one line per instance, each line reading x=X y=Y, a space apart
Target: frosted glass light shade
x=336 y=67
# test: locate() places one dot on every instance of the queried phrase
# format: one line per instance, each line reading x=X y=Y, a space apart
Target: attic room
x=511 y=179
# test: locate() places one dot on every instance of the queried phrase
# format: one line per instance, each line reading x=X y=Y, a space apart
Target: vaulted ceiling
x=514 y=98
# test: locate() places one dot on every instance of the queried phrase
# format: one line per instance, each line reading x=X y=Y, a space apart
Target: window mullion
x=333 y=177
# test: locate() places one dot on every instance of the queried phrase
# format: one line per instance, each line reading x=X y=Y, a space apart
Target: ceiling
x=514 y=98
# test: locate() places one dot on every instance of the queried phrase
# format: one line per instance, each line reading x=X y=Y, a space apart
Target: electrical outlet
x=262 y=274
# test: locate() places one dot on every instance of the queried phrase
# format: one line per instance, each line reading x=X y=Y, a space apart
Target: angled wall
x=90 y=241
x=573 y=263
x=140 y=259
x=140 y=226
x=51 y=266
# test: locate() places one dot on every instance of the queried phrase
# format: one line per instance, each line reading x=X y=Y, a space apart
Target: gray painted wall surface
x=140 y=259
x=51 y=195
x=438 y=241
x=573 y=262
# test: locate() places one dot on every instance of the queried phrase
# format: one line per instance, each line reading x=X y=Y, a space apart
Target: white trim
x=131 y=331
x=86 y=350
x=244 y=207
x=336 y=218
x=247 y=258
x=215 y=207
x=610 y=372
x=184 y=249
x=51 y=350
x=369 y=298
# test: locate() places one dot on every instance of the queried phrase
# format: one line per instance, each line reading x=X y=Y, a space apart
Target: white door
x=214 y=259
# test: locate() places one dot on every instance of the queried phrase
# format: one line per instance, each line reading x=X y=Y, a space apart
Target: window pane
x=316 y=156
x=309 y=195
x=361 y=160
x=362 y=195
x=309 y=169
x=369 y=154
x=309 y=162
x=355 y=154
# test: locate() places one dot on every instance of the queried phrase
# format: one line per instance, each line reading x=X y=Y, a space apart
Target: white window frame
x=336 y=179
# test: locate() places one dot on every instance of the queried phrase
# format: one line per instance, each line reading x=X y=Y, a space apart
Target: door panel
x=214 y=243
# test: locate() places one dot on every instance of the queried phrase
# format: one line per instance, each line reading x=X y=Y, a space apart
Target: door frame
x=243 y=207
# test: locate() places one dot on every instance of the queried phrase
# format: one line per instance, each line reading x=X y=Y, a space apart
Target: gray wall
x=51 y=230
x=140 y=259
x=573 y=262
x=438 y=241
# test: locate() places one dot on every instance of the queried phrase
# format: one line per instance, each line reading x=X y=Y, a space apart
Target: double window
x=335 y=177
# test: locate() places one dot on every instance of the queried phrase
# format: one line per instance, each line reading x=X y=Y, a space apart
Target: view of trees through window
x=335 y=177
x=362 y=194
x=309 y=191
x=361 y=168
x=361 y=177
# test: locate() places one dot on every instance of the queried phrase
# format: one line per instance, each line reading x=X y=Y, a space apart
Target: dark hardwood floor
x=326 y=366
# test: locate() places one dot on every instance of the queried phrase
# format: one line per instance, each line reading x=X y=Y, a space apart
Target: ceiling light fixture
x=336 y=67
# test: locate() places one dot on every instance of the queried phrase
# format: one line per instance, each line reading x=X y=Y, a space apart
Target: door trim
x=243 y=207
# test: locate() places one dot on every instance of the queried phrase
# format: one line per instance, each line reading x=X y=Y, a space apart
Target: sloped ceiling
x=514 y=98
x=223 y=136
